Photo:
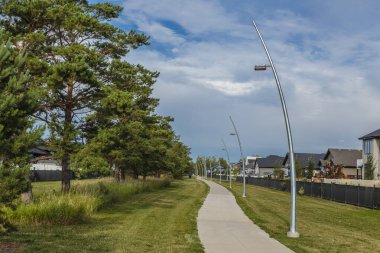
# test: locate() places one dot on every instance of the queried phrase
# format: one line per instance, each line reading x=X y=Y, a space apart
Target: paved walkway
x=223 y=227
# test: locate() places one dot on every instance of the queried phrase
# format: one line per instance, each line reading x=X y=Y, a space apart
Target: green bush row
x=77 y=206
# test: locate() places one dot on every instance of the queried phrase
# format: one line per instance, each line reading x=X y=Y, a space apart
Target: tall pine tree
x=71 y=44
x=18 y=101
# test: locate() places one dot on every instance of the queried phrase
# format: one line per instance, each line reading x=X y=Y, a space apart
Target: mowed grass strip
x=159 y=221
x=324 y=226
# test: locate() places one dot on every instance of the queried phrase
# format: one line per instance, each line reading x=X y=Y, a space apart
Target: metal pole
x=228 y=159
x=210 y=169
x=241 y=154
x=220 y=173
x=292 y=231
x=205 y=166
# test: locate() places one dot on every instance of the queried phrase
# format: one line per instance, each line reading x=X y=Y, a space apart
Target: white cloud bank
x=329 y=74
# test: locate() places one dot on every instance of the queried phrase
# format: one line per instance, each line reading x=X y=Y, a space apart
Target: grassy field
x=324 y=226
x=158 y=221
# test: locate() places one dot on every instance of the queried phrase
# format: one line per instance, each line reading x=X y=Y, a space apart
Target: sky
x=326 y=54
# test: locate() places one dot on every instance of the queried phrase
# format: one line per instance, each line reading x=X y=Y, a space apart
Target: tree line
x=65 y=82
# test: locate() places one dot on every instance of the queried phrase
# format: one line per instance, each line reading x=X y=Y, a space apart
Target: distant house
x=44 y=166
x=250 y=163
x=265 y=166
x=347 y=158
x=371 y=146
x=304 y=159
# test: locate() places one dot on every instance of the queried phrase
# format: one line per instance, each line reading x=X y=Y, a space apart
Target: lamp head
x=260 y=67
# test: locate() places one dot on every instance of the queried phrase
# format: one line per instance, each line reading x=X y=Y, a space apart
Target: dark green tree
x=18 y=101
x=278 y=173
x=369 y=168
x=71 y=44
x=310 y=169
x=178 y=159
x=299 y=169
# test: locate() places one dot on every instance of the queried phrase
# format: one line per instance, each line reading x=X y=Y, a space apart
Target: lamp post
x=241 y=153
x=210 y=164
x=220 y=173
x=228 y=160
x=205 y=167
x=292 y=231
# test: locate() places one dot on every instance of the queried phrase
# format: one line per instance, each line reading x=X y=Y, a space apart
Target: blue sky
x=326 y=54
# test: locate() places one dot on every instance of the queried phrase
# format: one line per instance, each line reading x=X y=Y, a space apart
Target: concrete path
x=223 y=227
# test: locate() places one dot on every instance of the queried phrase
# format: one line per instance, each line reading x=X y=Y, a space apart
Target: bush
x=82 y=202
x=60 y=209
x=13 y=182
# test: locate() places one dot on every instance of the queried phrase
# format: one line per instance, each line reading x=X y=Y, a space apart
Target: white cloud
x=329 y=78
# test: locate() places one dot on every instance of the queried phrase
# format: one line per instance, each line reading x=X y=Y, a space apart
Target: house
x=250 y=164
x=44 y=166
x=265 y=166
x=347 y=158
x=371 y=146
x=304 y=159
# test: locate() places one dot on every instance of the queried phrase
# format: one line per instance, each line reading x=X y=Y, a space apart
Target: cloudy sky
x=326 y=54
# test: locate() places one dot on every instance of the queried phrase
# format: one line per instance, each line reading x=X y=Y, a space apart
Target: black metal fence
x=47 y=175
x=355 y=195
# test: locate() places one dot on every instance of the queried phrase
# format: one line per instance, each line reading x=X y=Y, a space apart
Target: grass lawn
x=159 y=221
x=324 y=226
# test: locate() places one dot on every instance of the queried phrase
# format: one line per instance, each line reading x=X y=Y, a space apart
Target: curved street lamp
x=241 y=153
x=228 y=159
x=292 y=231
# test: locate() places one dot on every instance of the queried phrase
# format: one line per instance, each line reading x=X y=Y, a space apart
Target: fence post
x=322 y=189
x=311 y=188
x=373 y=196
x=358 y=195
x=331 y=198
x=345 y=194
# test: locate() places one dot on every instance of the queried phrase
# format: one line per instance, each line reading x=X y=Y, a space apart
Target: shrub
x=77 y=206
x=60 y=209
x=13 y=182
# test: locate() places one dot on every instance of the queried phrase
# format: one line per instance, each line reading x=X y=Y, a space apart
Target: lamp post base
x=293 y=234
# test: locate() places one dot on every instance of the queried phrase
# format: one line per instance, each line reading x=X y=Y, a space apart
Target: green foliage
x=73 y=52
x=310 y=169
x=369 y=168
x=5 y=225
x=14 y=181
x=278 y=173
x=299 y=169
x=17 y=135
x=178 y=159
x=87 y=163
x=80 y=204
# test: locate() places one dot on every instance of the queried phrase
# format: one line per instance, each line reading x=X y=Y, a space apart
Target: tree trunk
x=135 y=174
x=122 y=171
x=117 y=173
x=66 y=140
x=65 y=173
x=144 y=177
x=158 y=174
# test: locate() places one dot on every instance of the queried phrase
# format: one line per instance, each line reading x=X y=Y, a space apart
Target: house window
x=367 y=147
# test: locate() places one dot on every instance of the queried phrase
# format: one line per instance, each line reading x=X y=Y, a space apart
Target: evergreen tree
x=71 y=44
x=369 y=168
x=278 y=173
x=18 y=101
x=310 y=169
x=299 y=169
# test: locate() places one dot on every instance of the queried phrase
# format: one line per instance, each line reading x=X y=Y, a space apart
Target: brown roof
x=345 y=157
